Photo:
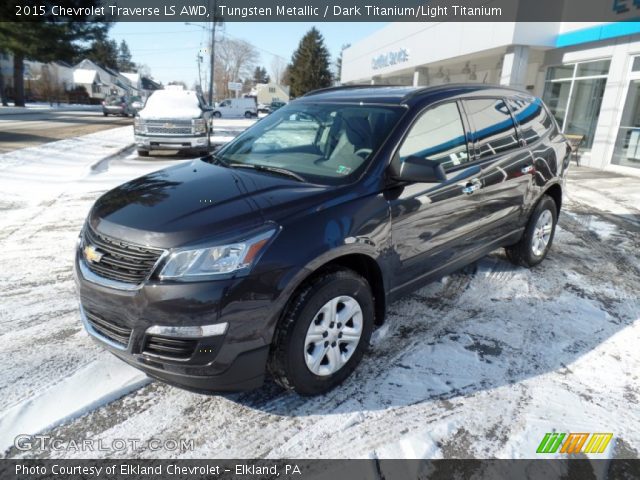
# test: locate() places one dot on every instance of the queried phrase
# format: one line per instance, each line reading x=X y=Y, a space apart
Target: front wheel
x=248 y=115
x=323 y=333
x=143 y=153
x=538 y=235
x=217 y=114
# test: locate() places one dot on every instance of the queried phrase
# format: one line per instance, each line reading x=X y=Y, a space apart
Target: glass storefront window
x=556 y=96
x=627 y=148
x=575 y=100
x=561 y=71
x=586 y=99
x=590 y=69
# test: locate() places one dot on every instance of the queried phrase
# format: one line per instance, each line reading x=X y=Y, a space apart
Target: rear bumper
x=171 y=143
x=114 y=110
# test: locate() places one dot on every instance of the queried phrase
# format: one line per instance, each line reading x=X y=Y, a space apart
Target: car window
x=226 y=103
x=532 y=117
x=437 y=135
x=493 y=130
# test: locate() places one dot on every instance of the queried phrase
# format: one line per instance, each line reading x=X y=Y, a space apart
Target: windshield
x=323 y=143
x=115 y=100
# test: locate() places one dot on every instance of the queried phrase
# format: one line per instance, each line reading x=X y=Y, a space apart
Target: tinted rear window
x=532 y=117
x=493 y=130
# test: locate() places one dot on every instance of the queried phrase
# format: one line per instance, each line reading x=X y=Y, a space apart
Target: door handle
x=527 y=169
x=472 y=186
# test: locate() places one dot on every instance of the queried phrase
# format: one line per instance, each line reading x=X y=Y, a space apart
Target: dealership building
x=587 y=73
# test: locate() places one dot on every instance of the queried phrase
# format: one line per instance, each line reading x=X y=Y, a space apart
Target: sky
x=170 y=48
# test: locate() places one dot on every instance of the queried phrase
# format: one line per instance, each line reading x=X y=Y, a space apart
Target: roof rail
x=470 y=86
x=348 y=87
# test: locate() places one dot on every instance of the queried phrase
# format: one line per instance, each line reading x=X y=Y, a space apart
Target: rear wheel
x=248 y=115
x=538 y=235
x=105 y=113
x=323 y=333
x=217 y=114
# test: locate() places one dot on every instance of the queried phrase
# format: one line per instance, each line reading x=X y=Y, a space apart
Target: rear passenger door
x=506 y=165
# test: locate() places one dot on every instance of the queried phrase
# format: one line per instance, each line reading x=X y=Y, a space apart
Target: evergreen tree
x=45 y=39
x=260 y=76
x=125 y=62
x=309 y=69
x=104 y=52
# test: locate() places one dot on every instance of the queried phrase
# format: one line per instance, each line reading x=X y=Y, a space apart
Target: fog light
x=189 y=332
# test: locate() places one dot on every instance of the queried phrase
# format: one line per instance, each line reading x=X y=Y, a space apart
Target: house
x=266 y=93
x=99 y=81
x=42 y=81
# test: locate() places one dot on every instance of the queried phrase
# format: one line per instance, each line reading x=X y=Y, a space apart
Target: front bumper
x=233 y=361
x=161 y=142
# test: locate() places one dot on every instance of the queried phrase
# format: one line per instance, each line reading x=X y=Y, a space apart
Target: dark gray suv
x=282 y=251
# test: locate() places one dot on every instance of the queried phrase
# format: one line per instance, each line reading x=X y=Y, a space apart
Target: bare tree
x=47 y=85
x=278 y=66
x=235 y=60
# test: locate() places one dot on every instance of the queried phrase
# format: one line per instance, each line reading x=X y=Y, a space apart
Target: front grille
x=169 y=128
x=169 y=347
x=121 y=261
x=108 y=329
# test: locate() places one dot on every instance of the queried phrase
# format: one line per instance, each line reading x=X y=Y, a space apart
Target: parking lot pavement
x=39 y=126
x=480 y=364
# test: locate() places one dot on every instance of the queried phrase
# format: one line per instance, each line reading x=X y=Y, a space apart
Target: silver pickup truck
x=173 y=120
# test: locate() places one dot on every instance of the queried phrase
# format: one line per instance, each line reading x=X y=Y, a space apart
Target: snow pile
x=44 y=171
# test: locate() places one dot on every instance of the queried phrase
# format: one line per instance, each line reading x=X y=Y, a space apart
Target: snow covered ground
x=481 y=364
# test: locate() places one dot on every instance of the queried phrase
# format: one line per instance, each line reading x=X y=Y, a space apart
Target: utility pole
x=213 y=54
x=199 y=62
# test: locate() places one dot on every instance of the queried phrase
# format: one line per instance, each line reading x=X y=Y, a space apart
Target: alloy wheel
x=333 y=336
x=542 y=233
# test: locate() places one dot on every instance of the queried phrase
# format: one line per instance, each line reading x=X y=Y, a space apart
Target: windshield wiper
x=215 y=159
x=267 y=168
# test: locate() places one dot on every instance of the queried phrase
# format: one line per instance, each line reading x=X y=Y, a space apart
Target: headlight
x=218 y=260
x=199 y=125
x=139 y=125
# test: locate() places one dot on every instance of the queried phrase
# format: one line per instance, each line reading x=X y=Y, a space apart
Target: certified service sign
x=390 y=58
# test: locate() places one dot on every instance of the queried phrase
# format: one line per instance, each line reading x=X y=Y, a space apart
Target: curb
x=98 y=166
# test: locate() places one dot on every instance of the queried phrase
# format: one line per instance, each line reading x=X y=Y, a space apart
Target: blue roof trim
x=599 y=32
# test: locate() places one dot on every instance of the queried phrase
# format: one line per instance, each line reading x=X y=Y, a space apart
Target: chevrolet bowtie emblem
x=92 y=254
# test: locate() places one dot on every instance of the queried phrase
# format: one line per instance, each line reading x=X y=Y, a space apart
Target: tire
x=217 y=114
x=538 y=235
x=105 y=113
x=335 y=358
x=143 y=153
x=248 y=115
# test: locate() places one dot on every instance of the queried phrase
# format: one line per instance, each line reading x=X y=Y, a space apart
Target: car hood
x=157 y=113
x=197 y=200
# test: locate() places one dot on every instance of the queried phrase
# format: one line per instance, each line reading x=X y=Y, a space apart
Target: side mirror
x=416 y=169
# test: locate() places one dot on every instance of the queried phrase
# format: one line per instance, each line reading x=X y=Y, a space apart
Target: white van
x=236 y=107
